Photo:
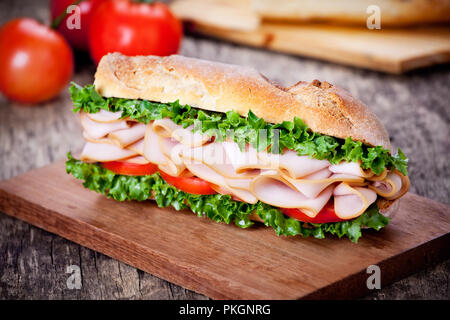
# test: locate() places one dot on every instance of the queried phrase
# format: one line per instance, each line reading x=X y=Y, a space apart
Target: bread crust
x=220 y=87
x=384 y=205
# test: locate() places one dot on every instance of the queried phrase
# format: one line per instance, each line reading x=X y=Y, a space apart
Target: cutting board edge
x=331 y=291
x=375 y=63
x=357 y=280
x=80 y=238
x=389 y=66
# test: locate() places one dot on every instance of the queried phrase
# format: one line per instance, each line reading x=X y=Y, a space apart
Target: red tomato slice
x=130 y=169
x=327 y=214
x=192 y=185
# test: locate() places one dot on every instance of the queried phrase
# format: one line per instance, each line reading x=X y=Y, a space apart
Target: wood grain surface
x=414 y=108
x=394 y=50
x=223 y=261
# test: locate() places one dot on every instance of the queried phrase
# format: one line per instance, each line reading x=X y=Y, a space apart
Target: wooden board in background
x=389 y=50
x=224 y=261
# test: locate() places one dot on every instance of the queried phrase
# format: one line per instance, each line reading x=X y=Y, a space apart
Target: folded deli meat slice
x=121 y=138
x=167 y=128
x=288 y=163
x=404 y=188
x=273 y=190
x=243 y=184
x=387 y=187
x=243 y=160
x=292 y=164
x=314 y=183
x=137 y=147
x=210 y=154
x=204 y=172
x=172 y=150
x=128 y=136
x=214 y=156
x=105 y=152
x=392 y=187
x=380 y=177
x=97 y=130
x=351 y=202
x=88 y=138
x=352 y=168
x=152 y=150
x=105 y=116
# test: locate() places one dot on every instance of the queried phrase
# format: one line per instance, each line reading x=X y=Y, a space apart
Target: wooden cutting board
x=394 y=50
x=224 y=261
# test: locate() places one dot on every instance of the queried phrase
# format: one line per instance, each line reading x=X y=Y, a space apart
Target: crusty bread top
x=221 y=87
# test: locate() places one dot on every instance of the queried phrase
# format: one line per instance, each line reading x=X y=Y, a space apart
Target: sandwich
x=226 y=143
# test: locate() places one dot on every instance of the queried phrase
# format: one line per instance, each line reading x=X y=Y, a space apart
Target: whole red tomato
x=133 y=29
x=78 y=38
x=35 y=61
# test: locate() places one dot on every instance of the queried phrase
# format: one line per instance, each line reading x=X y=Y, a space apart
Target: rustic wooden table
x=33 y=262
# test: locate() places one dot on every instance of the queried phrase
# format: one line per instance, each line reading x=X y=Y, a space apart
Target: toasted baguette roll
x=214 y=86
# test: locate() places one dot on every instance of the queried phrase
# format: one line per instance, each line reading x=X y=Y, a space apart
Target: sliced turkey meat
x=388 y=186
x=152 y=150
x=204 y=172
x=353 y=168
x=351 y=202
x=314 y=183
x=380 y=177
x=166 y=128
x=105 y=116
x=282 y=180
x=274 y=191
x=97 y=130
x=137 y=147
x=130 y=135
x=88 y=138
x=214 y=156
x=392 y=187
x=243 y=184
x=103 y=152
x=172 y=150
x=243 y=160
x=293 y=165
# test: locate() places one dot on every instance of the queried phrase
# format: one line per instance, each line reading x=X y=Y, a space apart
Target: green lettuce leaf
x=218 y=207
x=294 y=135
